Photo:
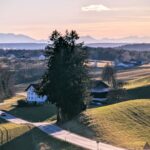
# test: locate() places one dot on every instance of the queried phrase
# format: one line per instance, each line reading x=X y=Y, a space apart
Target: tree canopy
x=65 y=81
x=109 y=75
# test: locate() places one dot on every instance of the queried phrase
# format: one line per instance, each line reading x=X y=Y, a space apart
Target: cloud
x=97 y=8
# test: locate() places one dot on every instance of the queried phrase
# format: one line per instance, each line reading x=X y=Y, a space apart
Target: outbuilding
x=99 y=92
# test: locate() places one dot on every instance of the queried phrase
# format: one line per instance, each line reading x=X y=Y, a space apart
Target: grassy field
x=125 y=75
x=141 y=82
x=134 y=73
x=9 y=131
x=126 y=124
x=138 y=88
x=10 y=101
x=46 y=112
x=23 y=137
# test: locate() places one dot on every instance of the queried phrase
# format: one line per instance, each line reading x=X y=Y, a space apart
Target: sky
x=98 y=18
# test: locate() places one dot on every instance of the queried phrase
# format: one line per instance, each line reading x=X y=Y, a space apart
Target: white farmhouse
x=32 y=95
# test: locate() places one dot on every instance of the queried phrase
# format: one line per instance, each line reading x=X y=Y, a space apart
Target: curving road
x=59 y=133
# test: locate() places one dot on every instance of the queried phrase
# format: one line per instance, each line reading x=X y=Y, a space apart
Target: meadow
x=125 y=124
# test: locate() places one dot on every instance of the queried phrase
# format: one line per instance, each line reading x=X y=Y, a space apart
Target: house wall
x=98 y=90
x=99 y=95
x=32 y=96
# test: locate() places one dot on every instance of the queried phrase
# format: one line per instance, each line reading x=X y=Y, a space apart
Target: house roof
x=99 y=84
x=36 y=86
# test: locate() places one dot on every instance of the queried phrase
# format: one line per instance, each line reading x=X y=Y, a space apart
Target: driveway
x=59 y=133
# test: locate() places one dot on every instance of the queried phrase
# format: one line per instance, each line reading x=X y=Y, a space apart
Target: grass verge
x=23 y=137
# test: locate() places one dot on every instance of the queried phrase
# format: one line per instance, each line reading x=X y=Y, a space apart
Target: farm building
x=33 y=96
x=99 y=92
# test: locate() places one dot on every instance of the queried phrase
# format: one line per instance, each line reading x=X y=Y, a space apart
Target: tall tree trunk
x=58 y=115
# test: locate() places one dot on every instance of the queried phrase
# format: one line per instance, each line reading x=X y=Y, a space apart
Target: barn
x=99 y=92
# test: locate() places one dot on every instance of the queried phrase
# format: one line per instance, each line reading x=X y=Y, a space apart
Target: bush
x=22 y=103
x=116 y=95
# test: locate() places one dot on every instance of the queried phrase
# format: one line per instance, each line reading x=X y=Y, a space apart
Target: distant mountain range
x=20 y=41
x=130 y=39
x=20 y=38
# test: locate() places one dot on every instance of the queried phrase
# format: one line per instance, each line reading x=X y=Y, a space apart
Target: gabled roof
x=36 y=86
x=99 y=84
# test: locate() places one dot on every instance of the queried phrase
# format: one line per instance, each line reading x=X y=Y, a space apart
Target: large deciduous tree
x=65 y=81
x=6 y=83
x=117 y=91
x=109 y=75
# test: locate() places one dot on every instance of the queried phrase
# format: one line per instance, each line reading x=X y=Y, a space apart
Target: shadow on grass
x=35 y=113
x=36 y=140
x=139 y=93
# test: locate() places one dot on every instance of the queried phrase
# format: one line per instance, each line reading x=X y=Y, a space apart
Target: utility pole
x=97 y=145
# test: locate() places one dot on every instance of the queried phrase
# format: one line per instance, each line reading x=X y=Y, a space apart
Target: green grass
x=126 y=124
x=134 y=73
x=23 y=137
x=37 y=140
x=141 y=82
x=139 y=88
x=46 y=112
x=10 y=131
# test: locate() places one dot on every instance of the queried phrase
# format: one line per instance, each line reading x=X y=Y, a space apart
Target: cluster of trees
x=28 y=74
x=24 y=71
x=6 y=83
x=113 y=54
x=21 y=53
x=65 y=81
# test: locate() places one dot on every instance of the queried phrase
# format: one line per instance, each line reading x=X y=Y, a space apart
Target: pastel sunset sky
x=98 y=18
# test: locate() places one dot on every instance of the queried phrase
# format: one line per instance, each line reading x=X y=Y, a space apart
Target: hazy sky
x=98 y=18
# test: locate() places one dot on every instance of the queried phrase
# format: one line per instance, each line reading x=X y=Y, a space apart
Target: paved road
x=64 y=135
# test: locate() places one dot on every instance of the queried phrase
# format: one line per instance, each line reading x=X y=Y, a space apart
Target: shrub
x=116 y=95
x=22 y=103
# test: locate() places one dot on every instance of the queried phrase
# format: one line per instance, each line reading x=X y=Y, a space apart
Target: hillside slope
x=10 y=131
x=23 y=137
x=126 y=124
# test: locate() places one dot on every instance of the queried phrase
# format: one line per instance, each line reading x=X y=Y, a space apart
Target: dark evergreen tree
x=65 y=81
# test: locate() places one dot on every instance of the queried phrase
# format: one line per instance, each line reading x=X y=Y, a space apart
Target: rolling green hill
x=125 y=124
